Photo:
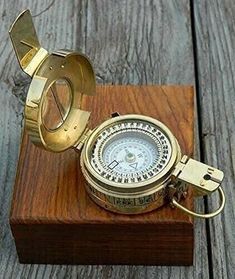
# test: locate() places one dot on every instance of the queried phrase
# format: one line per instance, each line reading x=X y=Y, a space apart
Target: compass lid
x=53 y=115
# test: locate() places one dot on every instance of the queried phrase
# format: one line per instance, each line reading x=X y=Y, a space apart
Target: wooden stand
x=54 y=221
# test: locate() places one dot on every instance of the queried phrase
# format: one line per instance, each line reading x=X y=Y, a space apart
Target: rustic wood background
x=134 y=42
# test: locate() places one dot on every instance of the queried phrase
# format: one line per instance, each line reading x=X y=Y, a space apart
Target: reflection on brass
x=46 y=69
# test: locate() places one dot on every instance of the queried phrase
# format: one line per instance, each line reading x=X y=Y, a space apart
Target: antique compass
x=131 y=163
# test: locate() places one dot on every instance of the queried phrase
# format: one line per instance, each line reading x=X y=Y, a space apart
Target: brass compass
x=131 y=163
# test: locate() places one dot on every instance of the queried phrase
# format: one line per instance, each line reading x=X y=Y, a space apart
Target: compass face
x=130 y=151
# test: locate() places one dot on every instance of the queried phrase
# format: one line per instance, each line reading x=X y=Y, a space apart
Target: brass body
x=168 y=186
x=134 y=198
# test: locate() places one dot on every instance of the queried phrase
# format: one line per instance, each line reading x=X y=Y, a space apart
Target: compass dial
x=130 y=152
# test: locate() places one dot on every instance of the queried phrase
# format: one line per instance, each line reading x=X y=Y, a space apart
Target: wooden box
x=54 y=221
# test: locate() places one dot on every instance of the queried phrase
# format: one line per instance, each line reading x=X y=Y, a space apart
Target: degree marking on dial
x=113 y=164
x=137 y=150
x=134 y=165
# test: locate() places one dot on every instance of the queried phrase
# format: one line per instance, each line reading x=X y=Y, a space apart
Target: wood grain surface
x=54 y=221
x=132 y=42
x=216 y=71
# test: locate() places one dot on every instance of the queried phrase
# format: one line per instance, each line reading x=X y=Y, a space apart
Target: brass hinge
x=83 y=139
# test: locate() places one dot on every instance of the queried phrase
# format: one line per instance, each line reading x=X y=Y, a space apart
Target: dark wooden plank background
x=136 y=42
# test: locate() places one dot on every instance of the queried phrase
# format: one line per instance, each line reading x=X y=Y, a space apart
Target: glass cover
x=131 y=151
x=56 y=105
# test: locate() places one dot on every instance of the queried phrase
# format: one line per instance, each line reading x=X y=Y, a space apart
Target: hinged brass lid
x=53 y=115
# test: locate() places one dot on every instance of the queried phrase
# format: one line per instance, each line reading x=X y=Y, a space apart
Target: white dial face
x=130 y=152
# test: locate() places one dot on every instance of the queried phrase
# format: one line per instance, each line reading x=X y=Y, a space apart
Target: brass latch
x=204 y=178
